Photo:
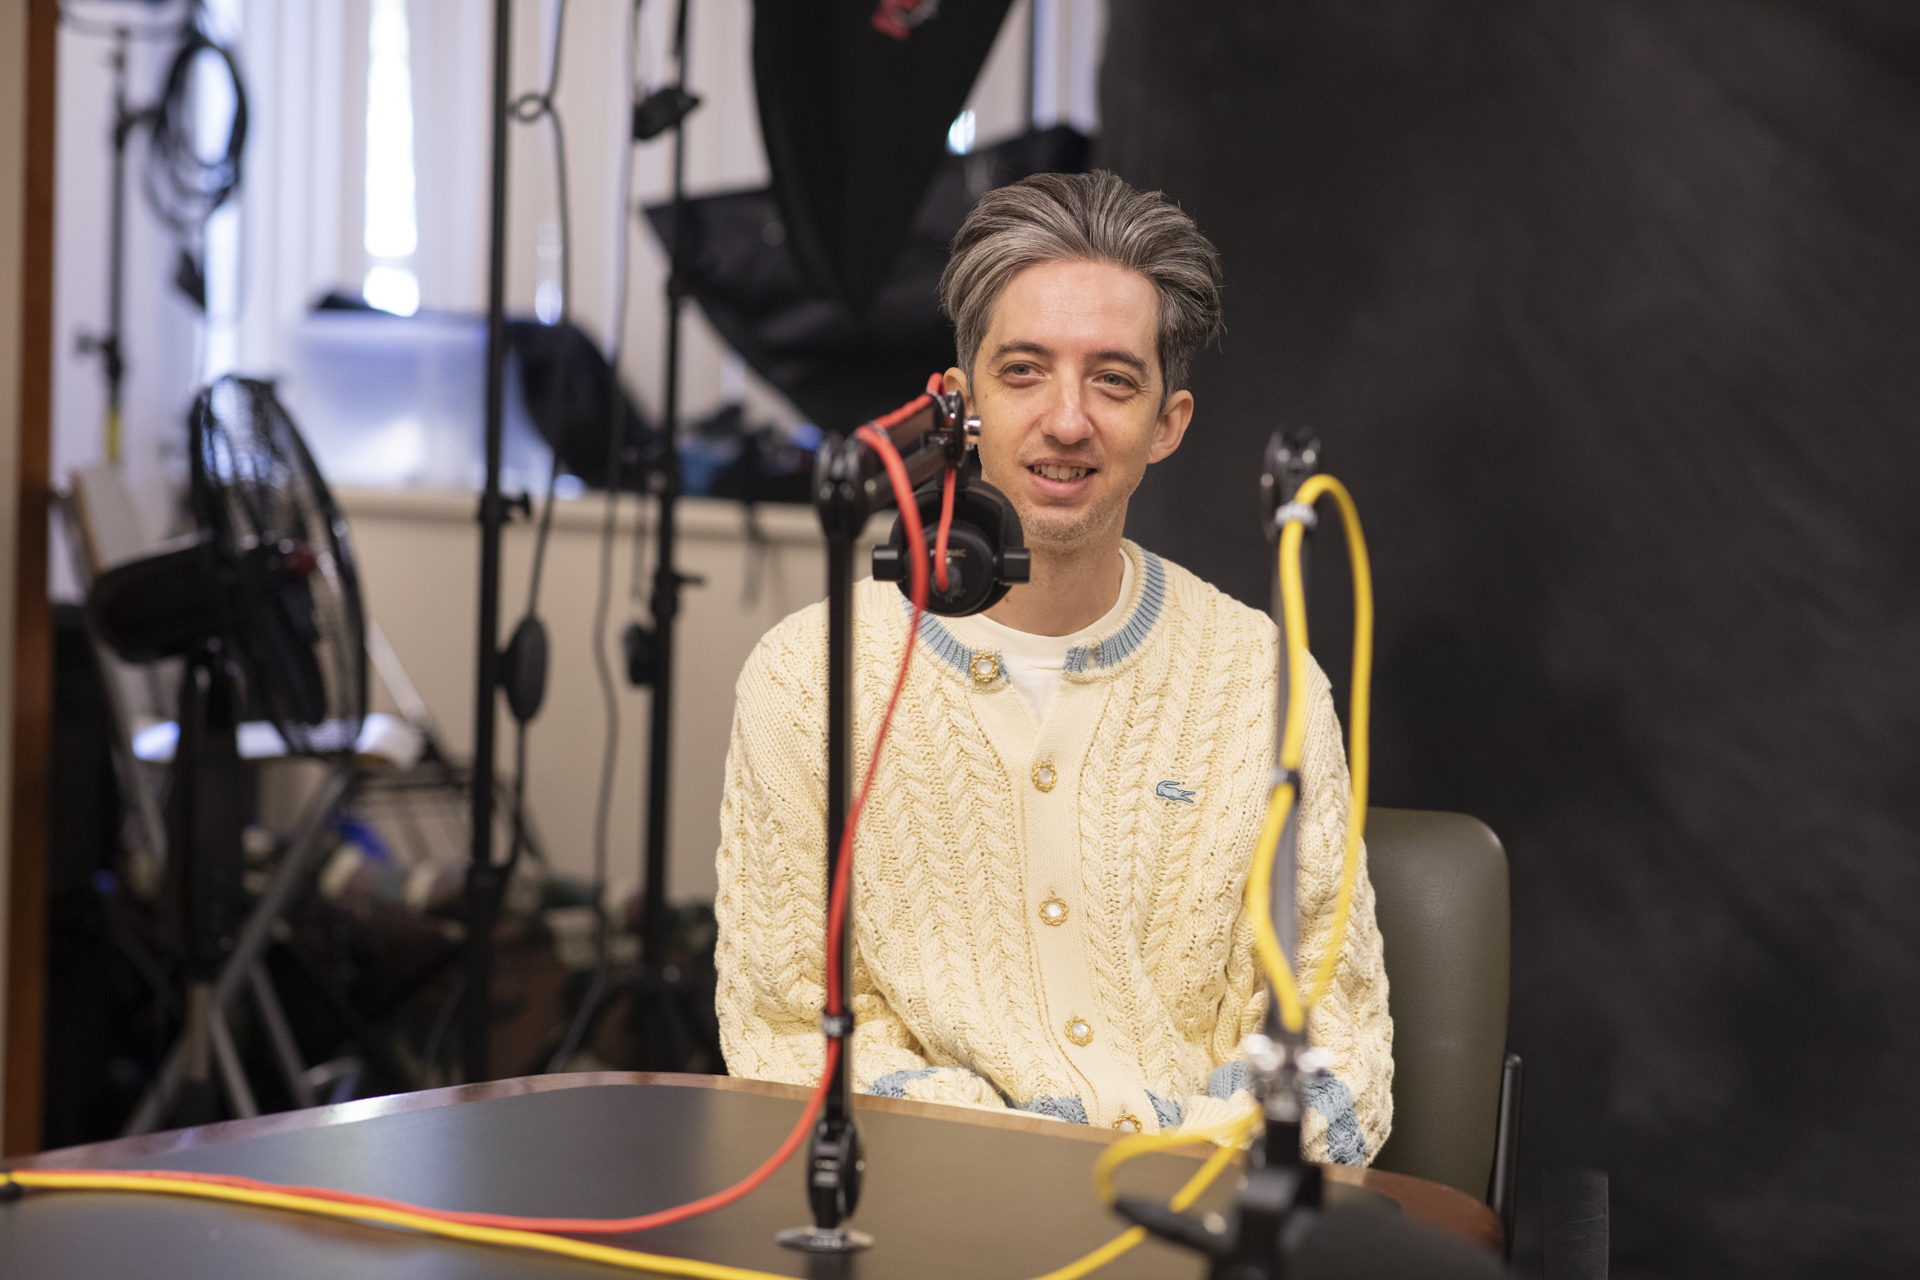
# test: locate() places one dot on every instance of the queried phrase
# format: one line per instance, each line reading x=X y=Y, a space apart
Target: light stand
x=850 y=486
x=650 y=649
x=107 y=345
x=486 y=880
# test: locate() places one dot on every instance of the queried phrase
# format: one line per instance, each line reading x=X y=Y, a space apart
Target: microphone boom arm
x=931 y=434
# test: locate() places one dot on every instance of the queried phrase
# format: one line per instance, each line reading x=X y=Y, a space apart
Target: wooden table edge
x=1430 y=1202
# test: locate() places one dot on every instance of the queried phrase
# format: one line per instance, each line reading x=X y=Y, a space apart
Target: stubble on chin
x=1062 y=531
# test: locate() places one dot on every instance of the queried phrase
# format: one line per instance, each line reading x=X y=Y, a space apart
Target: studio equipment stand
x=183 y=187
x=486 y=879
x=986 y=555
x=106 y=345
x=663 y=991
x=649 y=649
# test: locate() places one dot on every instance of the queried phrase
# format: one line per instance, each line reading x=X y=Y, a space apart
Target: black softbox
x=855 y=122
x=838 y=367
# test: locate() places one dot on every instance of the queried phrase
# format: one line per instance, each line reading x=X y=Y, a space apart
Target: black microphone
x=986 y=548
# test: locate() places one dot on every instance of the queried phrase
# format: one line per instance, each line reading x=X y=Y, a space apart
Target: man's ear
x=1172 y=425
x=954 y=380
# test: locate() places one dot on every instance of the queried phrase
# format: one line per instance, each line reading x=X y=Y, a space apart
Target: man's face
x=1067 y=387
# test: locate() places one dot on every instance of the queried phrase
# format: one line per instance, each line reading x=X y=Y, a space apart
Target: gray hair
x=1088 y=217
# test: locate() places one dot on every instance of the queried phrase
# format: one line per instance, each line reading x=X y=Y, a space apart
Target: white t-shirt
x=1034 y=665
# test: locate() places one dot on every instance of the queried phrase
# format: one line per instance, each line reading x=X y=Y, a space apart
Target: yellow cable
x=1230 y=1136
x=1259 y=885
x=628 y=1259
x=1292 y=744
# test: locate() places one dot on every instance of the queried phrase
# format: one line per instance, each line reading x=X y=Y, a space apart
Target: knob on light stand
x=986 y=555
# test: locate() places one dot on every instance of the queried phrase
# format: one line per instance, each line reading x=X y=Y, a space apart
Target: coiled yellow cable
x=1273 y=959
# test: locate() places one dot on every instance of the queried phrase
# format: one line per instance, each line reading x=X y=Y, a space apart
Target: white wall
x=406 y=543
x=302 y=204
x=301 y=213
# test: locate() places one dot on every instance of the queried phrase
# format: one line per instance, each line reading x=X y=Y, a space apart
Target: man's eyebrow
x=1020 y=348
x=1127 y=358
x=1116 y=356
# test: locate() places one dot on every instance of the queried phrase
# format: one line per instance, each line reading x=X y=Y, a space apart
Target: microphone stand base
x=821 y=1240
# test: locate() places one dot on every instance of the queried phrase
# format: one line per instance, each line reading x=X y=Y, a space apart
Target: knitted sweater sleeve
x=771 y=904
x=1350 y=1115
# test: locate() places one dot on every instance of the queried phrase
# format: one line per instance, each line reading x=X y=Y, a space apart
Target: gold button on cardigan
x=1159 y=744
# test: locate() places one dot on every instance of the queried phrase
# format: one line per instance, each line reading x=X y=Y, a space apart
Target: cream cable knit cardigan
x=1044 y=917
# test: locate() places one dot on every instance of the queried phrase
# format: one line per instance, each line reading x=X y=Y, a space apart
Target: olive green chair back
x=1440 y=889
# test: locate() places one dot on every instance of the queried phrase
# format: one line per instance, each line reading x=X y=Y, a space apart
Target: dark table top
x=950 y=1191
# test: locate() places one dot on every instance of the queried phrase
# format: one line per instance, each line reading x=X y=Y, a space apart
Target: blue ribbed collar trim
x=1088 y=659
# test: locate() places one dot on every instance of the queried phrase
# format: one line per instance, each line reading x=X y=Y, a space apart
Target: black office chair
x=1440 y=890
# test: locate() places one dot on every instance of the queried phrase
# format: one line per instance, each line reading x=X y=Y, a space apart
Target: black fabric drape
x=1608 y=313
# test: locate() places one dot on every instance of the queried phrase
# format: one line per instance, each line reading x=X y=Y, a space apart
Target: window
x=392 y=228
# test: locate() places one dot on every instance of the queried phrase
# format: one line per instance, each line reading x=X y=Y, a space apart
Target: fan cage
x=296 y=622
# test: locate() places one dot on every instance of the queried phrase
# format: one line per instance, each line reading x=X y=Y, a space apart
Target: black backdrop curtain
x=1609 y=313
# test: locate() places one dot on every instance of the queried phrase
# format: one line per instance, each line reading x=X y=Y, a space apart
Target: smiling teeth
x=1061 y=473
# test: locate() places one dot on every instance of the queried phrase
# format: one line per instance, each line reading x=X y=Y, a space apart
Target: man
x=1049 y=875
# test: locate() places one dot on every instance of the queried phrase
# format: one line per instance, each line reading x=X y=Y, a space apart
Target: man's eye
x=1017 y=370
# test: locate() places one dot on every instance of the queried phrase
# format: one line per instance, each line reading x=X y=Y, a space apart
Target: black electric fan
x=262 y=602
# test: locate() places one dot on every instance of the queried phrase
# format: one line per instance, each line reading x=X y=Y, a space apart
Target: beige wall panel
x=419 y=558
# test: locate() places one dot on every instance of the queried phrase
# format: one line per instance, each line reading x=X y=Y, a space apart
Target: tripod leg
x=193 y=1100
x=301 y=847
x=161 y=1093
x=281 y=1036
x=232 y=1075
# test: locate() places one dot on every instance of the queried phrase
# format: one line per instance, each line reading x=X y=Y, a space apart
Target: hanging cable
x=183 y=187
x=1273 y=959
x=526 y=109
x=530 y=108
x=668 y=443
x=582 y=1023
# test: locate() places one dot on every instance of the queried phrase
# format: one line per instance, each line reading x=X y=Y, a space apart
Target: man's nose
x=1065 y=418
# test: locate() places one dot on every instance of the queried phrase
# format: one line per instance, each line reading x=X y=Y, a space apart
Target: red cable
x=511 y=1222
x=876 y=439
x=946 y=506
x=946 y=523
x=874 y=434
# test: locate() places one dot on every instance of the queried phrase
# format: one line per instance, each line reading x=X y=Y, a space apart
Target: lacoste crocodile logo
x=1171 y=790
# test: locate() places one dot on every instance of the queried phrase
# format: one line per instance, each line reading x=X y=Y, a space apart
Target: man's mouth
x=1048 y=471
